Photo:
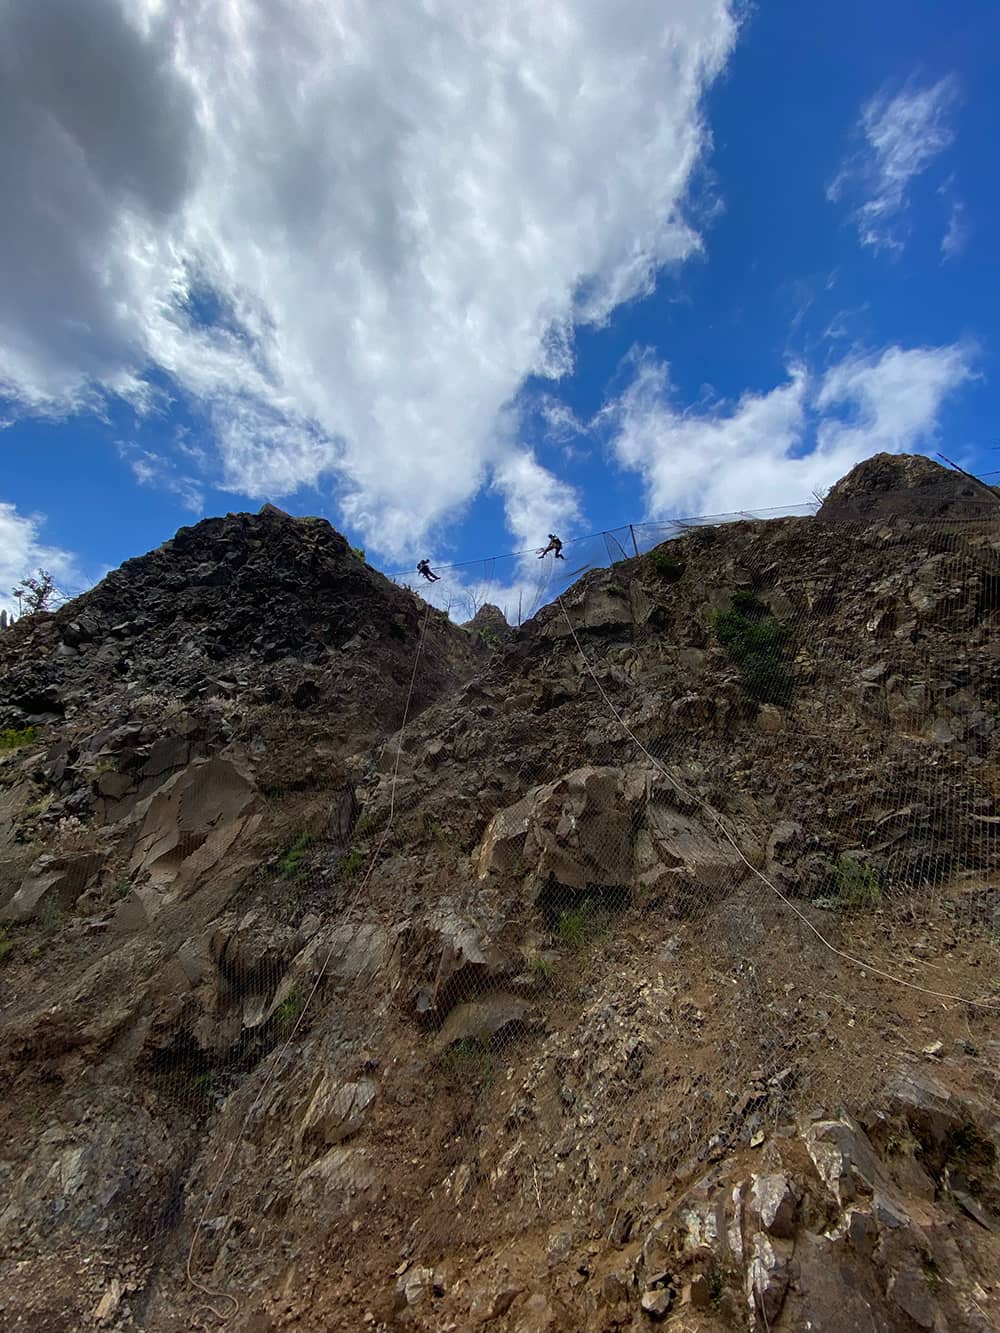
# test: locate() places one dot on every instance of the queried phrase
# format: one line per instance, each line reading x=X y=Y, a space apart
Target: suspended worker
x=554 y=545
x=423 y=567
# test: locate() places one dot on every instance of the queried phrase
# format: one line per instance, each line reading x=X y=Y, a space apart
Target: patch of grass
x=39 y=807
x=120 y=889
x=541 y=967
x=351 y=864
x=6 y=945
x=489 y=636
x=13 y=739
x=581 y=925
x=666 y=566
x=757 y=643
x=288 y=1011
x=359 y=553
x=290 y=866
x=470 y=1062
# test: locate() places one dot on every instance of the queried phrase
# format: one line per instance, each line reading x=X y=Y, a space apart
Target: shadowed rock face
x=560 y=1061
x=906 y=486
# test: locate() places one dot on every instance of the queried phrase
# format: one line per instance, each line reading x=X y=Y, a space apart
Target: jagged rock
x=773 y=1204
x=844 y=1158
x=53 y=883
x=332 y=1185
x=904 y=484
x=767 y=1279
x=909 y=1290
x=415 y=1285
x=337 y=1110
x=657 y=1303
x=482 y=1020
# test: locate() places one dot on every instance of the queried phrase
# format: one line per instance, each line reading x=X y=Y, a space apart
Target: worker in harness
x=554 y=545
x=423 y=567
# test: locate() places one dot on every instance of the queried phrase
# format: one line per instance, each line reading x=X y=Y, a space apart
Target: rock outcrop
x=647 y=978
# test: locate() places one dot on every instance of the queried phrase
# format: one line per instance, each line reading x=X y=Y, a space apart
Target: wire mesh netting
x=711 y=839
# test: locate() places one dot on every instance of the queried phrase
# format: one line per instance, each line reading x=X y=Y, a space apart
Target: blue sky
x=469 y=273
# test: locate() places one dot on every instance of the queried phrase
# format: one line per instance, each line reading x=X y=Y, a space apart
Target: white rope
x=692 y=796
x=276 y=1060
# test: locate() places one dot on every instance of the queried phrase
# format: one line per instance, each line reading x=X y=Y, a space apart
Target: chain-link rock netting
x=709 y=842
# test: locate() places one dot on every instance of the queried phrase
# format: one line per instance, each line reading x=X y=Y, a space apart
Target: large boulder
x=624 y=831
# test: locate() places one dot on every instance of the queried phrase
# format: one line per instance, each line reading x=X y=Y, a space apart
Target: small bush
x=12 y=739
x=359 y=553
x=489 y=636
x=666 y=566
x=290 y=865
x=757 y=643
x=121 y=888
x=39 y=807
x=351 y=864
x=6 y=945
x=855 y=886
x=289 y=1010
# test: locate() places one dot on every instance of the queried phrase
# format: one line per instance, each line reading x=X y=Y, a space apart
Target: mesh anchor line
x=210 y=1293
x=702 y=804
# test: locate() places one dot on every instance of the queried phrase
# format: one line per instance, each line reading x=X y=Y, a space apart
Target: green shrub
x=757 y=643
x=39 y=807
x=351 y=864
x=855 y=886
x=121 y=888
x=6 y=945
x=359 y=552
x=290 y=865
x=12 y=739
x=289 y=1010
x=666 y=566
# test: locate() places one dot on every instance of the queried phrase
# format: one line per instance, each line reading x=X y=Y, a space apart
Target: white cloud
x=152 y=469
x=902 y=136
x=349 y=233
x=954 y=239
x=776 y=448
x=23 y=552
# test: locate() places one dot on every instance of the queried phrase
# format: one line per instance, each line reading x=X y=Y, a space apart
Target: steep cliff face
x=647 y=977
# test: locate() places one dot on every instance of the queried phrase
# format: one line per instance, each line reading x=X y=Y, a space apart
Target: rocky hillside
x=648 y=978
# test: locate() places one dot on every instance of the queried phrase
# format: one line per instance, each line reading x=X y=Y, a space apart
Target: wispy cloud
x=776 y=447
x=352 y=250
x=901 y=136
x=159 y=472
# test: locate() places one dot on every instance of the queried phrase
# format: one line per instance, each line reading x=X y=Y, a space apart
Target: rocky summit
x=635 y=968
